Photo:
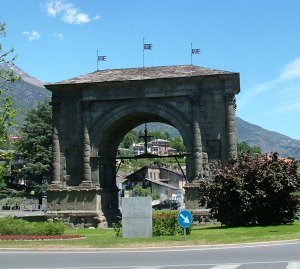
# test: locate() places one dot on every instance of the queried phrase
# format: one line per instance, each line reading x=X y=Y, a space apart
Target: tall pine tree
x=35 y=147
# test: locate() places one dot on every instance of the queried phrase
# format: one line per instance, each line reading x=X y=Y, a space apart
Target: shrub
x=165 y=223
x=252 y=190
x=51 y=228
x=141 y=192
x=118 y=227
x=11 y=226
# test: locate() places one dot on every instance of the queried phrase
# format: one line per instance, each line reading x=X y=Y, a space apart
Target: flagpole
x=146 y=46
x=97 y=61
x=143 y=52
x=191 y=53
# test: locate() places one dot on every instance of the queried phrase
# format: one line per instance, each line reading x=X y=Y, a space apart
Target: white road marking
x=293 y=265
x=226 y=266
x=149 y=267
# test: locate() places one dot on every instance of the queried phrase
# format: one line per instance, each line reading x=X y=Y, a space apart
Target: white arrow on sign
x=185 y=219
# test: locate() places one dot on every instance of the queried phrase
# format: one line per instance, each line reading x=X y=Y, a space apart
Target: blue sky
x=260 y=39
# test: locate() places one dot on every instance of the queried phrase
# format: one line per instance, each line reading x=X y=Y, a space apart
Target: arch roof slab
x=146 y=73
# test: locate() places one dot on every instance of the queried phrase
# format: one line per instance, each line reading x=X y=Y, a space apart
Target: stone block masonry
x=93 y=112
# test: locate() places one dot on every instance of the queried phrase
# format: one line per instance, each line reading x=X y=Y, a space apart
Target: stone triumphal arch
x=92 y=113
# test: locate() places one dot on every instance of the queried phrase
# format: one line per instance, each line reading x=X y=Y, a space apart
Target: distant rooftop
x=136 y=74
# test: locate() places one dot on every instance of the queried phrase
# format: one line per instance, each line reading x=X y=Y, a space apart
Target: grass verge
x=201 y=235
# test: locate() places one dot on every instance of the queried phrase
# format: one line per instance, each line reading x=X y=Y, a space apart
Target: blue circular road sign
x=185 y=218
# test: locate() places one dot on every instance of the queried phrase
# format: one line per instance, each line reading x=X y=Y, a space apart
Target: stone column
x=197 y=145
x=87 y=173
x=86 y=155
x=56 y=166
x=230 y=104
x=192 y=188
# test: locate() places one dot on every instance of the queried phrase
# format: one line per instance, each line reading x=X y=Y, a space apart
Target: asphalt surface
x=276 y=255
x=281 y=255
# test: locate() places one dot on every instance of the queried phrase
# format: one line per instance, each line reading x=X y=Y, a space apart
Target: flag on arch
x=196 y=51
x=101 y=58
x=148 y=46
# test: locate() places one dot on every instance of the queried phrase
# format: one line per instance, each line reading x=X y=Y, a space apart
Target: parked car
x=167 y=204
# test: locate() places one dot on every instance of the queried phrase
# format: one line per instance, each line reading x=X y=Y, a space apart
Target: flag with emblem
x=101 y=58
x=148 y=46
x=195 y=51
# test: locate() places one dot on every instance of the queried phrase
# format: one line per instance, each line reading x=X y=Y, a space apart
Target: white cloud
x=274 y=104
x=33 y=35
x=55 y=7
x=288 y=75
x=72 y=16
x=291 y=70
x=288 y=98
x=60 y=36
x=68 y=12
x=266 y=86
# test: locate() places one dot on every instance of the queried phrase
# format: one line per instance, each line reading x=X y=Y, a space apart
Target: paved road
x=275 y=256
x=21 y=213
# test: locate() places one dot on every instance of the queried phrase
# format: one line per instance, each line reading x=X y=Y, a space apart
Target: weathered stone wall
x=74 y=199
x=90 y=120
x=67 y=121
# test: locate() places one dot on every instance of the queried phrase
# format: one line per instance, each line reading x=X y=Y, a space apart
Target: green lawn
x=201 y=235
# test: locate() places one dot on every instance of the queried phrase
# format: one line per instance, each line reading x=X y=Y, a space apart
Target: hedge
x=165 y=223
x=11 y=226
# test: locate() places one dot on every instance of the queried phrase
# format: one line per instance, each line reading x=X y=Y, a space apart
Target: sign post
x=185 y=220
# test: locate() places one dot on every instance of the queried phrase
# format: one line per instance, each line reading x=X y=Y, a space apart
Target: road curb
x=145 y=249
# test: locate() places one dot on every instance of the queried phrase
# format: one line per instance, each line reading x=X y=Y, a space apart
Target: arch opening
x=111 y=135
x=147 y=159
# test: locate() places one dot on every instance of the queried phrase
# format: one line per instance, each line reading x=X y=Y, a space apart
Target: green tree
x=159 y=135
x=144 y=192
x=140 y=191
x=153 y=134
x=7 y=112
x=35 y=147
x=129 y=139
x=177 y=143
x=252 y=190
x=243 y=147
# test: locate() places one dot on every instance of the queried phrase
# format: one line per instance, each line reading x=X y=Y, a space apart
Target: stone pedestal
x=81 y=206
x=192 y=195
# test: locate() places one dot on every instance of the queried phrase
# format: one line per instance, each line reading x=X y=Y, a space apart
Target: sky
x=260 y=39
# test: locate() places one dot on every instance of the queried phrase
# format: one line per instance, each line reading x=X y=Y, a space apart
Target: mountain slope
x=268 y=141
x=26 y=93
x=252 y=134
